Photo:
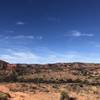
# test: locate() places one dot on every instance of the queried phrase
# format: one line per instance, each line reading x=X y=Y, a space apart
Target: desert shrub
x=38 y=80
x=78 y=80
x=72 y=98
x=55 y=86
x=62 y=81
x=4 y=96
x=37 y=70
x=11 y=76
x=70 y=81
x=14 y=76
x=64 y=96
x=55 y=68
x=86 y=82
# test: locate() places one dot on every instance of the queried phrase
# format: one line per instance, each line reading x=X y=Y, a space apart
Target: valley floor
x=23 y=91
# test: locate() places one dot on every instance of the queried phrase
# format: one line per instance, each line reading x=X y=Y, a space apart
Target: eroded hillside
x=76 y=78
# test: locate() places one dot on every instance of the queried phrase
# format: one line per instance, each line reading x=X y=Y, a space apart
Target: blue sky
x=49 y=31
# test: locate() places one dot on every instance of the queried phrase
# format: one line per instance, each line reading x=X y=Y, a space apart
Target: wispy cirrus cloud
x=95 y=44
x=9 y=31
x=30 y=57
x=22 y=37
x=20 y=57
x=79 y=34
x=20 y=23
x=39 y=37
x=27 y=56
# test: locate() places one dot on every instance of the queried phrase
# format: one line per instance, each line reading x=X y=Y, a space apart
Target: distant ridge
x=56 y=63
x=3 y=62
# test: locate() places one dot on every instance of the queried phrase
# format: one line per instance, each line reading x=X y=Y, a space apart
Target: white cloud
x=95 y=44
x=22 y=37
x=39 y=37
x=20 y=23
x=56 y=58
x=30 y=57
x=9 y=31
x=20 y=57
x=80 y=34
x=19 y=37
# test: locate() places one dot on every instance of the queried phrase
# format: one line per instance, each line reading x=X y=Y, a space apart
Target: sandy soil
x=42 y=95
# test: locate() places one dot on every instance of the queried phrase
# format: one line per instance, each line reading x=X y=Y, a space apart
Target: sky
x=50 y=31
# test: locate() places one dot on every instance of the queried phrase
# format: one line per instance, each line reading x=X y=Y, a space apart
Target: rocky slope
x=46 y=82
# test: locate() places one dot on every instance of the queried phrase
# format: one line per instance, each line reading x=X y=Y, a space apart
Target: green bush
x=64 y=96
x=4 y=96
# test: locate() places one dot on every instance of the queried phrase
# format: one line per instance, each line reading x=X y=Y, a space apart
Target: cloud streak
x=22 y=37
x=30 y=57
x=19 y=56
x=20 y=23
x=80 y=34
